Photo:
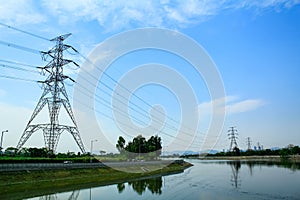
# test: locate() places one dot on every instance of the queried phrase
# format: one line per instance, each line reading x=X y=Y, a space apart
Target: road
x=6 y=167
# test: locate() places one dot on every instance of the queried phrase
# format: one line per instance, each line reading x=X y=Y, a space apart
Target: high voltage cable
x=140 y=108
x=111 y=89
x=20 y=47
x=16 y=78
x=107 y=116
x=19 y=68
x=110 y=77
x=125 y=114
x=22 y=31
x=107 y=104
x=129 y=91
x=18 y=63
x=166 y=124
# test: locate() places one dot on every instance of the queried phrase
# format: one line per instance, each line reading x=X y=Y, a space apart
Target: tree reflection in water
x=154 y=185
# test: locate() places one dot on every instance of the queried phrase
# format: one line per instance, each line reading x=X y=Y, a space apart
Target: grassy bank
x=21 y=159
x=17 y=185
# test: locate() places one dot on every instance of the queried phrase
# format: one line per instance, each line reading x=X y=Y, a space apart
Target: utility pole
x=91 y=156
x=248 y=143
x=55 y=97
x=233 y=137
x=2 y=139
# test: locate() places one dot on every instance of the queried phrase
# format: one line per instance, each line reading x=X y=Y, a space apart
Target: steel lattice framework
x=233 y=137
x=54 y=96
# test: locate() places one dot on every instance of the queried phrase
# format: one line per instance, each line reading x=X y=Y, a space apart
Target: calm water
x=205 y=180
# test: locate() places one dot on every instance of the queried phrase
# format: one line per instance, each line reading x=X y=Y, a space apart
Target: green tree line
x=291 y=150
x=149 y=149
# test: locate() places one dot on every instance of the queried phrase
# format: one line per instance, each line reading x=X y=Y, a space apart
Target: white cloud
x=114 y=15
x=244 y=106
x=20 y=12
x=232 y=106
x=122 y=14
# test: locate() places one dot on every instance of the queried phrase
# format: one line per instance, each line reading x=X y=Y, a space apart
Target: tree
x=139 y=145
x=38 y=152
x=154 y=145
x=121 y=144
x=236 y=151
x=295 y=150
x=102 y=152
x=11 y=151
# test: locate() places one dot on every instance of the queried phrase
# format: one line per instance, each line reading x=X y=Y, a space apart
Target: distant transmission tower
x=54 y=96
x=233 y=137
x=248 y=143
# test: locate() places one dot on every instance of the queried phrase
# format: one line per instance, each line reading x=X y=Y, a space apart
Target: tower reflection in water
x=74 y=196
x=235 y=167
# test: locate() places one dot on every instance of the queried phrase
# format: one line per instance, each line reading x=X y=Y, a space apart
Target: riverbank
x=26 y=184
x=295 y=158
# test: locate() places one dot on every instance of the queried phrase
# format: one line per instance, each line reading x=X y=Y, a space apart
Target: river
x=205 y=180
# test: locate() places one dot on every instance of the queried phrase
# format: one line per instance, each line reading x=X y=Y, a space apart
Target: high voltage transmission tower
x=233 y=137
x=54 y=96
x=248 y=143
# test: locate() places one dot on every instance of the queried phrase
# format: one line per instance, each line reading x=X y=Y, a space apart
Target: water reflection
x=209 y=180
x=74 y=196
x=49 y=197
x=154 y=185
x=250 y=165
x=235 y=167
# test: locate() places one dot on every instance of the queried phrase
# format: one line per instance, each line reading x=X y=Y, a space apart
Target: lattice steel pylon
x=55 y=96
x=233 y=137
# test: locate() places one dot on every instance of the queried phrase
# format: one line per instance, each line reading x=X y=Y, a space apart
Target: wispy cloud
x=233 y=105
x=118 y=15
x=20 y=12
x=244 y=106
x=114 y=15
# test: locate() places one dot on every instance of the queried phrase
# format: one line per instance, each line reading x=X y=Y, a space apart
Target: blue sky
x=254 y=44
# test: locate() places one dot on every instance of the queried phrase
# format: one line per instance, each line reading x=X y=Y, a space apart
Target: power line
x=22 y=31
x=16 y=78
x=19 y=68
x=86 y=91
x=136 y=110
x=109 y=117
x=107 y=104
x=19 y=63
x=130 y=92
x=20 y=47
x=110 y=77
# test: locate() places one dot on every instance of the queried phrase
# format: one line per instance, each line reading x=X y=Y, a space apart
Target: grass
x=21 y=159
x=26 y=184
